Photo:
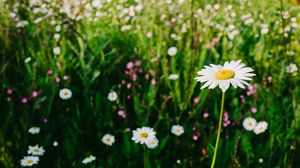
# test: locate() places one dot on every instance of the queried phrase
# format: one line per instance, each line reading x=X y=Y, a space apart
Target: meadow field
x=142 y=83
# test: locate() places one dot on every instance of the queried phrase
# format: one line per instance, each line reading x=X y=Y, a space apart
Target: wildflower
x=88 y=159
x=261 y=160
x=24 y=100
x=56 y=36
x=112 y=96
x=172 y=51
x=34 y=94
x=149 y=34
x=173 y=76
x=49 y=72
x=122 y=114
x=177 y=130
x=142 y=135
x=226 y=121
x=34 y=130
x=29 y=161
x=152 y=143
x=57 y=80
x=65 y=94
x=292 y=68
x=56 y=50
x=108 y=139
x=253 y=110
x=130 y=65
x=196 y=100
x=251 y=90
x=65 y=77
x=36 y=150
x=231 y=73
x=249 y=123
x=9 y=91
x=260 y=127
x=55 y=143
x=206 y=115
x=27 y=60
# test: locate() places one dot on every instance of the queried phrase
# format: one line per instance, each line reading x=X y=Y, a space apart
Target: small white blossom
x=112 y=96
x=177 y=130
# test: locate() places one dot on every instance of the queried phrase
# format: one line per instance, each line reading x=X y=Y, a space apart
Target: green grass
x=94 y=56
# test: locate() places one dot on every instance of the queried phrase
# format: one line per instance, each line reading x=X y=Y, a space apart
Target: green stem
x=145 y=157
x=219 y=132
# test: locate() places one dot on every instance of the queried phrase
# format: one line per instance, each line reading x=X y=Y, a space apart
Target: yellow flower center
x=29 y=161
x=36 y=149
x=224 y=74
x=107 y=139
x=250 y=124
x=144 y=135
x=66 y=94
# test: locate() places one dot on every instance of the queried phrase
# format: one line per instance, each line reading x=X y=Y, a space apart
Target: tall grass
x=94 y=55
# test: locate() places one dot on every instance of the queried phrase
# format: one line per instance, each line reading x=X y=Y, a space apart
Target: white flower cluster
x=145 y=135
x=250 y=124
x=32 y=160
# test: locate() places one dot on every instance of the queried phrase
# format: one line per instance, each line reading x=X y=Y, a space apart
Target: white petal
x=245 y=70
x=226 y=85
x=244 y=82
x=206 y=84
x=242 y=77
x=213 y=85
x=203 y=78
x=233 y=83
x=238 y=83
x=239 y=67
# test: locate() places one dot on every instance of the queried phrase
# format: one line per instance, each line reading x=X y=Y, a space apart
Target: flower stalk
x=219 y=131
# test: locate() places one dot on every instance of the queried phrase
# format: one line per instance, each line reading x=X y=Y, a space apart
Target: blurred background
x=132 y=63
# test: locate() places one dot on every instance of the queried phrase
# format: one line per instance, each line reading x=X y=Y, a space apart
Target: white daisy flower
x=88 y=159
x=177 y=130
x=172 y=51
x=249 y=123
x=260 y=127
x=173 y=76
x=112 y=96
x=291 y=68
x=152 y=143
x=234 y=73
x=55 y=143
x=56 y=50
x=36 y=150
x=142 y=135
x=34 y=130
x=29 y=161
x=65 y=93
x=108 y=139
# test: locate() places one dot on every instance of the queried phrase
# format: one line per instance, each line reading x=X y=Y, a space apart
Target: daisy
x=36 y=150
x=260 y=127
x=172 y=51
x=234 y=73
x=88 y=159
x=142 y=135
x=55 y=143
x=56 y=50
x=173 y=76
x=34 y=130
x=291 y=68
x=177 y=130
x=108 y=139
x=152 y=143
x=249 y=123
x=65 y=93
x=29 y=161
x=112 y=96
